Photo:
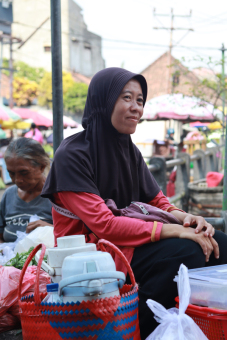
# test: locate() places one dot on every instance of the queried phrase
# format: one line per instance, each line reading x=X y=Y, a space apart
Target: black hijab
x=100 y=160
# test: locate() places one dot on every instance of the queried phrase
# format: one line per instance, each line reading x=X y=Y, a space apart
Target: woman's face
x=128 y=108
x=26 y=176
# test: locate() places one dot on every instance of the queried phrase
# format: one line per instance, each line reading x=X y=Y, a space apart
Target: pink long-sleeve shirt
x=126 y=233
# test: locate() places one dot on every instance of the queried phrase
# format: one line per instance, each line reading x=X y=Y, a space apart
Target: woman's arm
x=187 y=220
x=122 y=231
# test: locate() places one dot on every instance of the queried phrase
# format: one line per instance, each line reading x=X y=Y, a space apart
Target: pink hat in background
x=214 y=179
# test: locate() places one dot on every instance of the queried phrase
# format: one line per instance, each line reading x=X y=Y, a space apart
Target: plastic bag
x=9 y=282
x=6 y=254
x=174 y=323
x=39 y=235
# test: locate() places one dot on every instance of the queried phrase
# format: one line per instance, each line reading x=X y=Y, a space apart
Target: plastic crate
x=212 y=322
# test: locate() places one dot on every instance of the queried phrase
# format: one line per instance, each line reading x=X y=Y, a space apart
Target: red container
x=212 y=321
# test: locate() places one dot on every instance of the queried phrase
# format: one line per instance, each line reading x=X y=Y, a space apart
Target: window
x=176 y=78
x=47 y=48
x=87 y=46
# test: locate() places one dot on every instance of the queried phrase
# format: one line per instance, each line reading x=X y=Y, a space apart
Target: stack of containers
x=208 y=286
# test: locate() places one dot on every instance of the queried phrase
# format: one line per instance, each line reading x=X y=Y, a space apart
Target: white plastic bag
x=39 y=235
x=174 y=323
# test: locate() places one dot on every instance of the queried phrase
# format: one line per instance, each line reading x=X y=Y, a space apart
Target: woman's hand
x=208 y=244
x=202 y=225
x=33 y=225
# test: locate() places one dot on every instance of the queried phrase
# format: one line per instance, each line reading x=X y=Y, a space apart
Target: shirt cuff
x=156 y=231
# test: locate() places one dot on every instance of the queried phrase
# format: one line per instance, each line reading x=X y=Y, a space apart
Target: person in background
x=170 y=136
x=26 y=162
x=34 y=133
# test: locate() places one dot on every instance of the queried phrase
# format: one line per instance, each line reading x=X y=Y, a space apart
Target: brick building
x=167 y=75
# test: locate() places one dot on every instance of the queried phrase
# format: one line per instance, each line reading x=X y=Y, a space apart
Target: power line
x=170 y=29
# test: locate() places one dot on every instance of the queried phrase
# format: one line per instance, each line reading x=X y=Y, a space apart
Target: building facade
x=81 y=49
x=167 y=75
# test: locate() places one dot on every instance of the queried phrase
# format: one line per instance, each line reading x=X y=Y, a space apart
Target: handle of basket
x=101 y=243
x=30 y=257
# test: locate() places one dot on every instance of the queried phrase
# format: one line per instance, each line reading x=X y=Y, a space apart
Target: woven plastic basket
x=110 y=318
x=213 y=322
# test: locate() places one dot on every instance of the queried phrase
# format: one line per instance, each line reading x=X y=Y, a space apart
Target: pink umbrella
x=7 y=114
x=67 y=121
x=179 y=107
x=198 y=124
x=37 y=118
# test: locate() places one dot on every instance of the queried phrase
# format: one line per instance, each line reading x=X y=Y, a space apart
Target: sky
x=130 y=40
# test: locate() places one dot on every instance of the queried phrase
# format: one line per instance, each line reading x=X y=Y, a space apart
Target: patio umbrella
x=6 y=114
x=2 y=134
x=179 y=107
x=15 y=124
x=67 y=121
x=37 y=118
x=215 y=126
x=198 y=124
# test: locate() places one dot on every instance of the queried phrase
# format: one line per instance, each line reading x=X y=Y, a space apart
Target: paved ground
x=11 y=335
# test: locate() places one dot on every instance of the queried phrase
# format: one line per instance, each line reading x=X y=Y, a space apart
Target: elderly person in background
x=26 y=162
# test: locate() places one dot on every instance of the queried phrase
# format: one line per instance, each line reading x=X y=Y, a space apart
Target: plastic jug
x=88 y=276
x=66 y=246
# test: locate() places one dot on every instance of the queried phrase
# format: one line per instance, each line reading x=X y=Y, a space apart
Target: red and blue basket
x=110 y=318
x=212 y=321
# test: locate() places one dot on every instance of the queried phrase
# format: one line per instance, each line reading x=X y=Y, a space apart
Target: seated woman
x=101 y=162
x=26 y=161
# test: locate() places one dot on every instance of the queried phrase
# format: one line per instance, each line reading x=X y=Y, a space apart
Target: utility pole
x=57 y=96
x=169 y=87
x=224 y=204
x=11 y=72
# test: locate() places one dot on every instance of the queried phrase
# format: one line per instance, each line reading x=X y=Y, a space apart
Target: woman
x=102 y=162
x=26 y=161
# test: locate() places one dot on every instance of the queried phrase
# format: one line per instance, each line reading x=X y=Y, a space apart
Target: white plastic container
x=208 y=286
x=88 y=276
x=67 y=245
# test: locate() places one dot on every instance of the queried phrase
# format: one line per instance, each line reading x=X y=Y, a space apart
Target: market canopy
x=43 y=117
x=179 y=107
x=37 y=118
x=67 y=121
x=7 y=114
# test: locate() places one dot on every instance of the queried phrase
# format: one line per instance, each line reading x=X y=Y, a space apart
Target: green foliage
x=26 y=71
x=23 y=70
x=75 y=97
x=208 y=88
x=24 y=91
x=5 y=63
x=19 y=260
x=45 y=88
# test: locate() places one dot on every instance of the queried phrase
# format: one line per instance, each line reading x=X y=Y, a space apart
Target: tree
x=45 y=88
x=75 y=98
x=26 y=71
x=24 y=91
x=203 y=82
x=23 y=70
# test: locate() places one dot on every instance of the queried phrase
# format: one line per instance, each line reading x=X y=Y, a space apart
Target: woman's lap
x=155 y=266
